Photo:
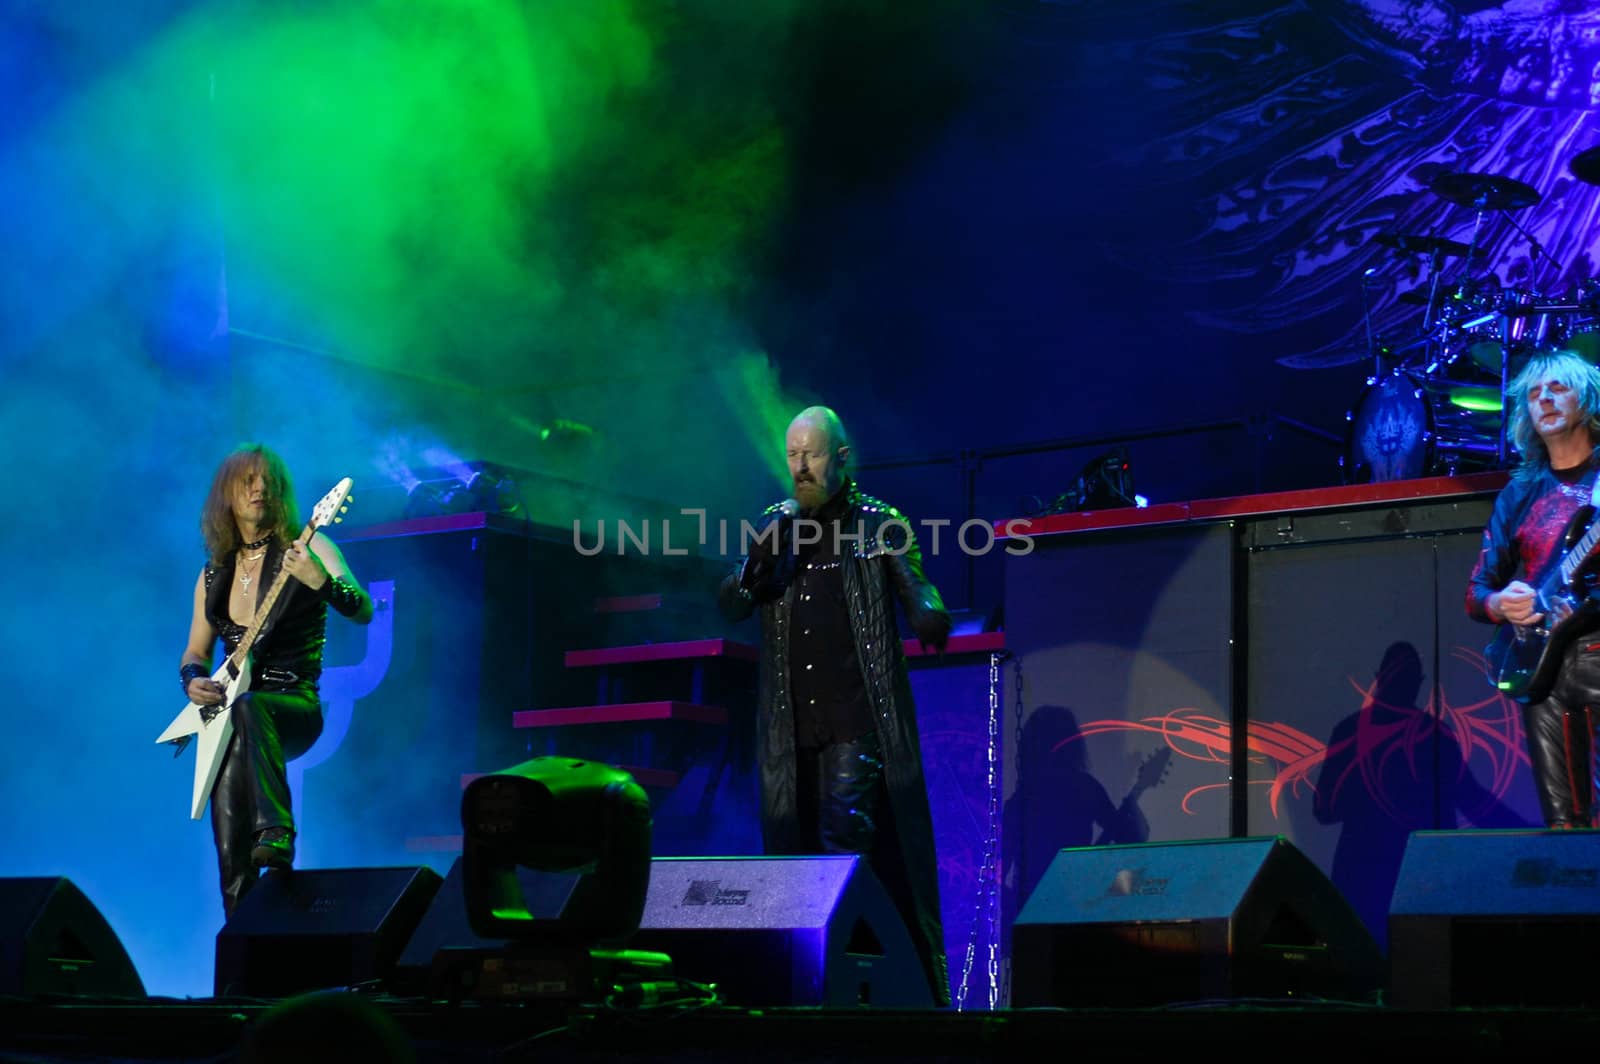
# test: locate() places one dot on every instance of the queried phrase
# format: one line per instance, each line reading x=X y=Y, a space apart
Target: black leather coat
x=884 y=566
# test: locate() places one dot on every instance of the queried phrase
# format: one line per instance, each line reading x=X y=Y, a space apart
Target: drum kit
x=1432 y=406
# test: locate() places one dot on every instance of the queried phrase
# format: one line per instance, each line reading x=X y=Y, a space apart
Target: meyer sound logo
x=710 y=892
x=1131 y=881
x=1544 y=872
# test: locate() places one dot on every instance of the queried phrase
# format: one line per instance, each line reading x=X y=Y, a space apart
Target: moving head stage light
x=554 y=815
x=1105 y=483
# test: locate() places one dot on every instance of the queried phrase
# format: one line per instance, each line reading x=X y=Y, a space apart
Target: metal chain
x=986 y=910
x=1017 y=844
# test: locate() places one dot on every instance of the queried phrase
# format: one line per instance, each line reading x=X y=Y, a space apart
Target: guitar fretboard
x=264 y=610
x=1580 y=552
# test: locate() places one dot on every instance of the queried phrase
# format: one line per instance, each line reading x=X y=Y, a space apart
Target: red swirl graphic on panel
x=1387 y=730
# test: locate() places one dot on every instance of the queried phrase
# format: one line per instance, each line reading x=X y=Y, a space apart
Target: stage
x=157 y=1029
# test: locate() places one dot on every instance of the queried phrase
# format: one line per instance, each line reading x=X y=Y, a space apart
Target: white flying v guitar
x=213 y=725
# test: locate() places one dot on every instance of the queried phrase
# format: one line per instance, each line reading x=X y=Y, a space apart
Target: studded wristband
x=189 y=672
x=343 y=595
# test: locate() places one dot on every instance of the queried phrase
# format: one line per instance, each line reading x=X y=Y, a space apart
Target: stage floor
x=160 y=1029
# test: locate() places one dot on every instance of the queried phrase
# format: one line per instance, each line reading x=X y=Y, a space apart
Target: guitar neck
x=268 y=600
x=1579 y=553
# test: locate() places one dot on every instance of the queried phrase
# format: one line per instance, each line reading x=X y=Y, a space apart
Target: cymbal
x=1422 y=244
x=1416 y=297
x=1585 y=166
x=1489 y=191
x=1341 y=356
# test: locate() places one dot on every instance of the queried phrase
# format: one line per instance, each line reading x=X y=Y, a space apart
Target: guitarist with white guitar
x=264 y=593
x=1535 y=575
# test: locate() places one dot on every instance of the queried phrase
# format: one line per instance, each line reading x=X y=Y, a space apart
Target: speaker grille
x=318 y=928
x=54 y=941
x=1159 y=923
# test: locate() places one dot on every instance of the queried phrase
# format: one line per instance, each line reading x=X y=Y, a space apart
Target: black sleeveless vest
x=288 y=650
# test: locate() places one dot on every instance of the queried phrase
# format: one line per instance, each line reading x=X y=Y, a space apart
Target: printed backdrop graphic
x=1308 y=129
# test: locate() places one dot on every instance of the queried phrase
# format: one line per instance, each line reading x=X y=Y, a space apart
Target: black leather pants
x=270 y=729
x=1561 y=738
x=840 y=790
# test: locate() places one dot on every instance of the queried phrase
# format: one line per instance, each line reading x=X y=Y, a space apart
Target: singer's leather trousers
x=270 y=729
x=1562 y=738
x=840 y=790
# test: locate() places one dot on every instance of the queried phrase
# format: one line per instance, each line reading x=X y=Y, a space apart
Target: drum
x=1583 y=337
x=1489 y=320
x=1407 y=426
x=1581 y=331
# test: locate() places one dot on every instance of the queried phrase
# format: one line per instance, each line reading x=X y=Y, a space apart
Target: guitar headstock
x=333 y=505
x=1153 y=769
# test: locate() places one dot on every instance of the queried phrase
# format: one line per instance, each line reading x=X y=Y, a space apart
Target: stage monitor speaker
x=1159 y=923
x=1496 y=919
x=783 y=931
x=310 y=929
x=445 y=928
x=54 y=941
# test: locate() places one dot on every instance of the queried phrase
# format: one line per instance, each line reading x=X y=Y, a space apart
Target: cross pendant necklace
x=244 y=575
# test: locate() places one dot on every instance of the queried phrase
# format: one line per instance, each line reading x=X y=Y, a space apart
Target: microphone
x=788 y=510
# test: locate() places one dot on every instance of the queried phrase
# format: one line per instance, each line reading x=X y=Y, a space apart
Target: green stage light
x=1478 y=400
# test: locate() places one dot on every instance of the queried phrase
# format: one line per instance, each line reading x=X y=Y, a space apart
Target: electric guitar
x=1523 y=658
x=1152 y=771
x=212 y=725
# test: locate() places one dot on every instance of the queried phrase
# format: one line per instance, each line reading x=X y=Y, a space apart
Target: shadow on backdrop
x=1058 y=803
x=1391 y=769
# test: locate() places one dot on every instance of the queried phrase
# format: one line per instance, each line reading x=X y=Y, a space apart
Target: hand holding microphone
x=768 y=541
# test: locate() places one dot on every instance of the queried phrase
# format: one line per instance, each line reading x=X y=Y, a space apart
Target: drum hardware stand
x=1501 y=449
x=1433 y=308
x=1537 y=248
x=1481 y=208
x=1373 y=348
x=1484 y=192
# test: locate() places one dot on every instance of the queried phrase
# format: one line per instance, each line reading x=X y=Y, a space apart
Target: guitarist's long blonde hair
x=1570 y=369
x=216 y=516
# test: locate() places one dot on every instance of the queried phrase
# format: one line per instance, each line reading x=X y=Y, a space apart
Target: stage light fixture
x=556 y=814
x=587 y=822
x=1106 y=483
x=423 y=499
x=493 y=492
x=564 y=430
x=486 y=489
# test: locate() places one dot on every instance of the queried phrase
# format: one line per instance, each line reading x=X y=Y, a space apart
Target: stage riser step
x=620 y=713
x=684 y=650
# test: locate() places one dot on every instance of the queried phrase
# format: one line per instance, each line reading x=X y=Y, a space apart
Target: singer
x=840 y=760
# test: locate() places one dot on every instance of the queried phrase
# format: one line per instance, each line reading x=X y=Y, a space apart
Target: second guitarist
x=249 y=525
x=1553 y=411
